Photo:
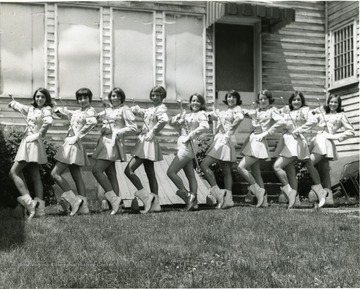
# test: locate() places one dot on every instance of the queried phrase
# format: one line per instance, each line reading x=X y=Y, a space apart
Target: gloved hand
x=327 y=135
x=11 y=103
x=71 y=140
x=149 y=136
x=135 y=109
x=297 y=133
x=261 y=136
x=187 y=139
x=251 y=112
x=32 y=137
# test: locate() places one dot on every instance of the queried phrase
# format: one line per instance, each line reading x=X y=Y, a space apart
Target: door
x=237 y=64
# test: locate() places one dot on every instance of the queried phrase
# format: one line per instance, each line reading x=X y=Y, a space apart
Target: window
x=78 y=50
x=184 y=56
x=21 y=48
x=133 y=53
x=343 y=56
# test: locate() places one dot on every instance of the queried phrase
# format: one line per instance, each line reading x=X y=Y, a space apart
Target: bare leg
x=313 y=172
x=256 y=172
x=75 y=171
x=228 y=180
x=279 y=164
x=291 y=175
x=324 y=171
x=190 y=175
x=111 y=174
x=176 y=165
x=36 y=179
x=17 y=175
x=209 y=174
x=150 y=173
x=57 y=172
x=245 y=164
x=98 y=171
x=130 y=169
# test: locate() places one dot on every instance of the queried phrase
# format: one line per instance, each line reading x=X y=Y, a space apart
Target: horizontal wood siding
x=340 y=12
x=293 y=58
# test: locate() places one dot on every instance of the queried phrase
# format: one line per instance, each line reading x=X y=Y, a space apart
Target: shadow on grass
x=12 y=230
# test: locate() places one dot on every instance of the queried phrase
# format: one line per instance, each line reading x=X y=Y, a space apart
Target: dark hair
x=160 y=90
x=83 y=92
x=293 y=95
x=200 y=98
x=119 y=92
x=268 y=95
x=45 y=92
x=327 y=108
x=233 y=93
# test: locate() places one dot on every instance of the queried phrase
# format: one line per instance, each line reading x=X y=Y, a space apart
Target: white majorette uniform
x=334 y=121
x=304 y=120
x=118 y=121
x=155 y=118
x=191 y=124
x=81 y=123
x=262 y=120
x=222 y=148
x=38 y=122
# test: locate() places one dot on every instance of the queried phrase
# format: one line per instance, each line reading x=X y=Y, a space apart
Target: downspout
x=326 y=51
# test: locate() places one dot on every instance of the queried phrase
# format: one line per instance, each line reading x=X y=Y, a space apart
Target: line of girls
x=118 y=122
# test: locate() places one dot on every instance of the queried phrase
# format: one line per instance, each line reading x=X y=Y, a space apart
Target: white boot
x=211 y=200
x=29 y=204
x=321 y=193
x=146 y=198
x=40 y=210
x=114 y=201
x=329 y=200
x=191 y=202
x=65 y=207
x=219 y=196
x=297 y=201
x=259 y=194
x=182 y=194
x=291 y=195
x=104 y=204
x=265 y=204
x=73 y=200
x=84 y=208
x=155 y=206
x=228 y=200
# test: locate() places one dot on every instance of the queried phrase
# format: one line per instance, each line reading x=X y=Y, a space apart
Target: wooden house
x=187 y=46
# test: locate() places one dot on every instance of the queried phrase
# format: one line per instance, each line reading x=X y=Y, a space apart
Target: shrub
x=10 y=138
x=304 y=179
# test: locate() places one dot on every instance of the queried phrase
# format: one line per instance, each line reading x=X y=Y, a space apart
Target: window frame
x=174 y=13
x=349 y=80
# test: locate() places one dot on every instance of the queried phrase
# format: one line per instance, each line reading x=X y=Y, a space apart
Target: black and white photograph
x=179 y=144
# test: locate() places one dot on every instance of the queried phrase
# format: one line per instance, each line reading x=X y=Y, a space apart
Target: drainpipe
x=326 y=51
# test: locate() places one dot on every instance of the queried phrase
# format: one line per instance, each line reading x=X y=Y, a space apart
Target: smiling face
x=296 y=102
x=84 y=101
x=231 y=100
x=195 y=103
x=115 y=99
x=156 y=97
x=263 y=101
x=333 y=104
x=40 y=99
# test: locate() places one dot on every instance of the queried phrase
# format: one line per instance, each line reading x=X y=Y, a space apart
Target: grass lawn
x=240 y=247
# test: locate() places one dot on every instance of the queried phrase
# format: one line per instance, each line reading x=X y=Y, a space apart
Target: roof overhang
x=272 y=17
